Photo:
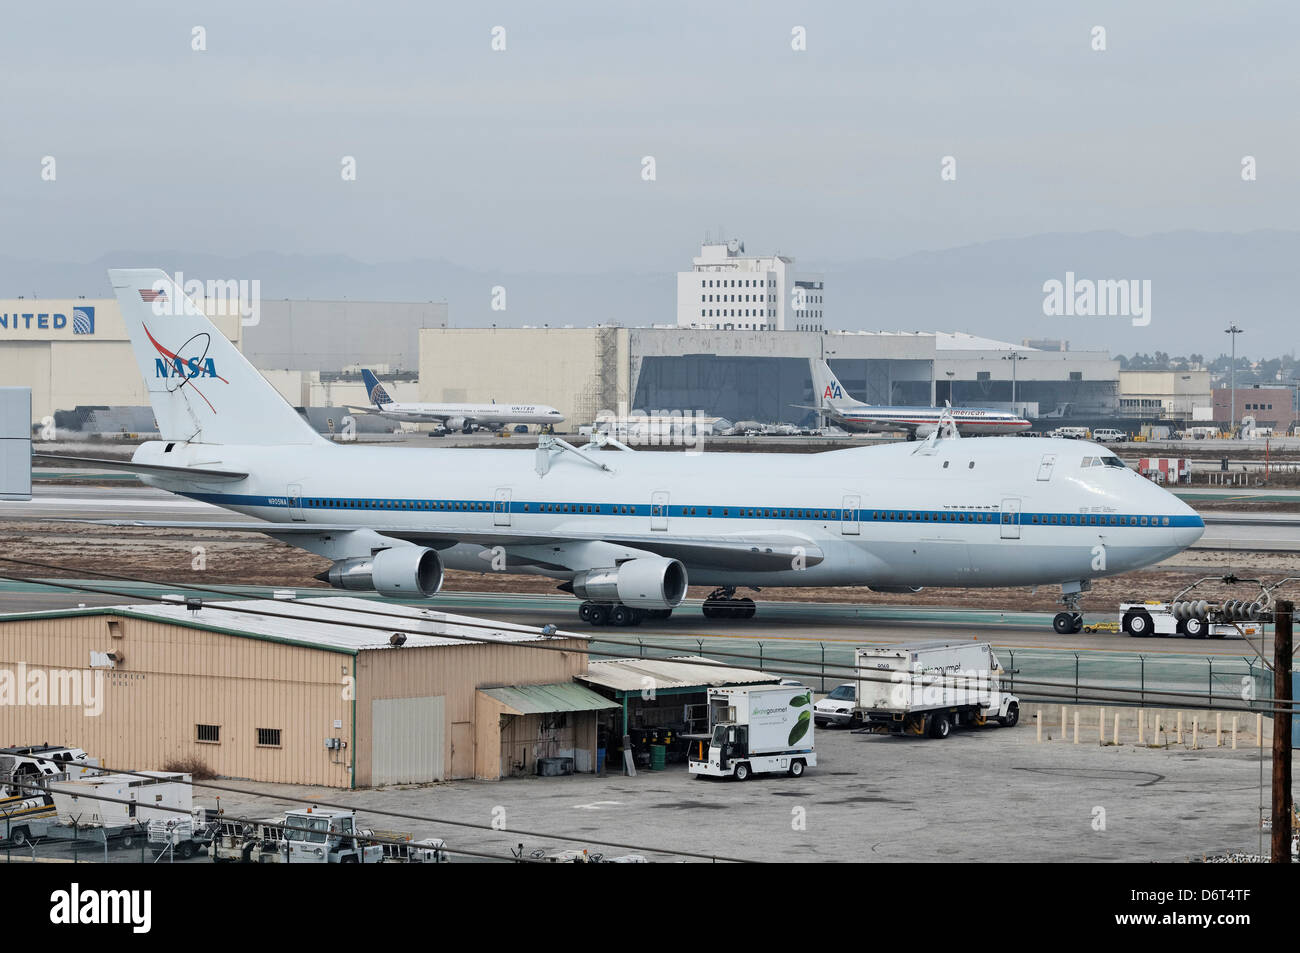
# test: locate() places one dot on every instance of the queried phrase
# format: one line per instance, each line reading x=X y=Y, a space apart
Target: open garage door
x=407 y=740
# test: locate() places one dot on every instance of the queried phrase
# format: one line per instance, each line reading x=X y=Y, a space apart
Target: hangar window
x=268 y=737
x=207 y=734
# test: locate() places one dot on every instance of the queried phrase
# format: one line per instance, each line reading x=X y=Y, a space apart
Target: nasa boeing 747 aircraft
x=626 y=531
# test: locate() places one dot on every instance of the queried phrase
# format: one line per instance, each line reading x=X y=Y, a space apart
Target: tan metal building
x=74 y=352
x=298 y=691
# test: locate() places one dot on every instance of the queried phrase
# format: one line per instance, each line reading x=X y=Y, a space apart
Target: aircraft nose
x=1188 y=526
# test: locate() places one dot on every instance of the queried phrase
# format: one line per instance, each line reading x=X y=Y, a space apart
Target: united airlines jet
x=916 y=422
x=626 y=531
x=465 y=417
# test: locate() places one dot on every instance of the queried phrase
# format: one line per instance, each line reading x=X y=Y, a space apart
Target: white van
x=1109 y=436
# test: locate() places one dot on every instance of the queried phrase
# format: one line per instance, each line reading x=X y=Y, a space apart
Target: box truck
x=761 y=729
x=928 y=688
x=124 y=804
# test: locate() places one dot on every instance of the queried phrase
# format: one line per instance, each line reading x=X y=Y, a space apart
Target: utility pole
x=1233 y=330
x=1015 y=359
x=1281 y=842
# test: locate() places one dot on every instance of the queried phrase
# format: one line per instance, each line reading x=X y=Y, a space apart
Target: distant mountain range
x=1200 y=281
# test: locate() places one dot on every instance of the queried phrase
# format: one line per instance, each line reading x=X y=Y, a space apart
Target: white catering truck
x=762 y=729
x=928 y=688
x=123 y=805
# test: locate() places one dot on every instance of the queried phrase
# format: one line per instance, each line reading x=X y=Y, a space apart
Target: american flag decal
x=150 y=295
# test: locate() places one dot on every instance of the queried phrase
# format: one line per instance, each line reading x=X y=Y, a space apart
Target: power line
x=412 y=817
x=1070 y=692
x=223 y=818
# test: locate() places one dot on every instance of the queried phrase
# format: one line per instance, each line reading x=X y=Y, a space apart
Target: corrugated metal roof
x=628 y=675
x=543 y=699
x=341 y=623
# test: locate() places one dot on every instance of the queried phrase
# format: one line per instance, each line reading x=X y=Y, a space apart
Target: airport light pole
x=1015 y=358
x=1233 y=330
x=950 y=374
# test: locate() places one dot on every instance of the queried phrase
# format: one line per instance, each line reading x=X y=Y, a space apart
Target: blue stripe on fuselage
x=714 y=511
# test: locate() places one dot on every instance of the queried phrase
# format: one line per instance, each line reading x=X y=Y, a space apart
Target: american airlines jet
x=626 y=531
x=464 y=417
x=917 y=422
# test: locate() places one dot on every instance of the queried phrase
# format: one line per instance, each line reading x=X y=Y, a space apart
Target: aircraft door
x=294 y=492
x=501 y=507
x=1010 y=518
x=659 y=510
x=849 y=522
x=1045 y=466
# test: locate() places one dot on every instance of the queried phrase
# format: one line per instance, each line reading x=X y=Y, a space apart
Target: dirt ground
x=251 y=559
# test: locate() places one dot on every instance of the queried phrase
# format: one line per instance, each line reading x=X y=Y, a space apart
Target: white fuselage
x=483 y=415
x=970 y=421
x=994 y=512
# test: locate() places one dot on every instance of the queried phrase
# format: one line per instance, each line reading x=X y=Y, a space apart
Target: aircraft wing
x=884 y=423
x=769 y=552
x=157 y=469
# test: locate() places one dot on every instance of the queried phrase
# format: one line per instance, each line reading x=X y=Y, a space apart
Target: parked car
x=837 y=707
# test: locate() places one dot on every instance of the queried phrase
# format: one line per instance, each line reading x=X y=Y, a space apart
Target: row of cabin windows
x=211 y=734
x=396 y=505
x=927 y=517
x=1101 y=520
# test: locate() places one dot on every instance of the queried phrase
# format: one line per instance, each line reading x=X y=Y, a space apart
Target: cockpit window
x=1102 y=462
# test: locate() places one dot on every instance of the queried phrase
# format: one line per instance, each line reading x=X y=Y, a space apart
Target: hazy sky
x=530 y=159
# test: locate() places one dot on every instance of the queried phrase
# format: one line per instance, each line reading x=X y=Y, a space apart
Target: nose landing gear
x=1071 y=620
x=1067 y=623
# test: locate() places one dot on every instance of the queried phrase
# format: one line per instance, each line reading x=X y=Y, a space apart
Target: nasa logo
x=172 y=365
x=181 y=367
x=832 y=391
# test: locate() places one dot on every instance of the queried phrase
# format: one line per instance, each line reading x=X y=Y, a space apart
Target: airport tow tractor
x=1198 y=618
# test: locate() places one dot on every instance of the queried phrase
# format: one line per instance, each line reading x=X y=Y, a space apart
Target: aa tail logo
x=833 y=391
x=180 y=371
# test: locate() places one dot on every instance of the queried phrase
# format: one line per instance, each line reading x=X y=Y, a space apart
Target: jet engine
x=400 y=572
x=455 y=423
x=651 y=582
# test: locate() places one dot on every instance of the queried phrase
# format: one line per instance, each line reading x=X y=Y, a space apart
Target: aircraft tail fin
x=201 y=388
x=827 y=388
x=376 y=391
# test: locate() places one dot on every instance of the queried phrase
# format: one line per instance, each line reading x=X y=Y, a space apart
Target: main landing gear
x=608 y=613
x=722 y=603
